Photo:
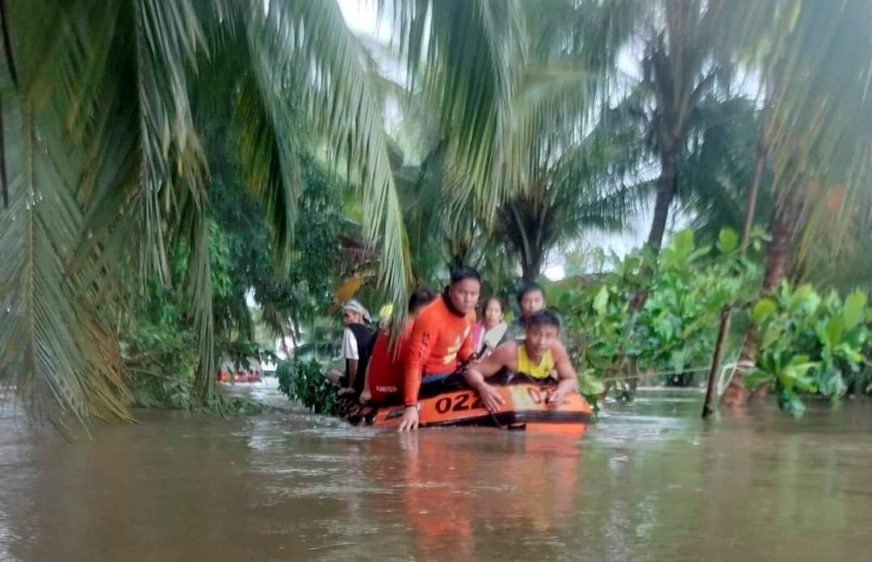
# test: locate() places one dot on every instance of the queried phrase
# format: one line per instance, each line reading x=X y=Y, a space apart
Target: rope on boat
x=724 y=377
x=658 y=374
x=724 y=382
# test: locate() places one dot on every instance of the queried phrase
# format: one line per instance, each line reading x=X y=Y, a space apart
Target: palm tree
x=818 y=131
x=568 y=163
x=689 y=49
x=674 y=73
x=574 y=186
x=443 y=231
x=104 y=168
x=718 y=167
x=104 y=172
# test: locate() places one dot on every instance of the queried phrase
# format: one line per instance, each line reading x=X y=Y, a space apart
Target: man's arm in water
x=366 y=395
x=352 y=374
x=421 y=343
x=476 y=372
x=567 y=381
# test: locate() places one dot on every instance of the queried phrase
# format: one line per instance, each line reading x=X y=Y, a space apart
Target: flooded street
x=650 y=482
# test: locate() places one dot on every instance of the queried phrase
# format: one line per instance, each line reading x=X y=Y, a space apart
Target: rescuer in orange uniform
x=441 y=339
x=384 y=374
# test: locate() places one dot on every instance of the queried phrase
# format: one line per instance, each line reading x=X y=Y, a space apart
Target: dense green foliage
x=809 y=343
x=305 y=381
x=288 y=297
x=159 y=343
x=158 y=352
x=687 y=284
x=107 y=116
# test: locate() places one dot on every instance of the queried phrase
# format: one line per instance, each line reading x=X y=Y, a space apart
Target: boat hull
x=525 y=407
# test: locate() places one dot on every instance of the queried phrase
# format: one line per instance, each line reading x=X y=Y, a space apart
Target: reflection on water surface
x=650 y=482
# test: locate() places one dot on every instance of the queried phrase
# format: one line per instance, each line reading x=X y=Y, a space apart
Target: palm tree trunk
x=723 y=329
x=532 y=266
x=666 y=189
x=751 y=201
x=785 y=224
x=726 y=315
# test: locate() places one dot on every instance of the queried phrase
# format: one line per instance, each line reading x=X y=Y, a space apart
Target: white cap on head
x=354 y=305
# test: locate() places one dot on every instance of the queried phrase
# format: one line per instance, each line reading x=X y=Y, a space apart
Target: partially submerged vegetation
x=305 y=381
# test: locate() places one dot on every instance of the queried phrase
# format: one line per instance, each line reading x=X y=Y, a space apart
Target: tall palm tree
x=674 y=72
x=568 y=162
x=689 y=49
x=104 y=169
x=819 y=133
x=574 y=186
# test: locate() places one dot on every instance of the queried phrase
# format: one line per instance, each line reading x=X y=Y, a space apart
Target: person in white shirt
x=356 y=340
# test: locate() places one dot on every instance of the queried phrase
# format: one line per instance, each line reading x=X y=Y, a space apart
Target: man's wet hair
x=420 y=297
x=544 y=317
x=462 y=273
x=529 y=287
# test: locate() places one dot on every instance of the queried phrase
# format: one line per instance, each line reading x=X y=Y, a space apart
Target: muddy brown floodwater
x=649 y=482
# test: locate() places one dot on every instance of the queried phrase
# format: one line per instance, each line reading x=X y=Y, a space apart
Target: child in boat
x=537 y=356
x=384 y=374
x=440 y=340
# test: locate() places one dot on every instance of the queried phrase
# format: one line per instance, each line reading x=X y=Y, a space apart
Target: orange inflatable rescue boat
x=525 y=407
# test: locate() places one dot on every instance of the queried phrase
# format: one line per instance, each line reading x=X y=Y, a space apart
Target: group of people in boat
x=442 y=337
x=242 y=375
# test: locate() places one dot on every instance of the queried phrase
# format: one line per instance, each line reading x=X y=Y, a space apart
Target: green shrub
x=687 y=286
x=159 y=358
x=810 y=344
x=305 y=381
x=806 y=343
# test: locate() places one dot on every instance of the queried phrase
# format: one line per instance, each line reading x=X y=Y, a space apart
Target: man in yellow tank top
x=538 y=356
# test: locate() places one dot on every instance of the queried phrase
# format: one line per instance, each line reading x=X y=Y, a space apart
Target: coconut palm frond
x=571 y=73
x=322 y=60
x=56 y=351
x=576 y=164
x=718 y=169
x=167 y=37
x=266 y=126
x=108 y=157
x=199 y=283
x=820 y=136
x=466 y=54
